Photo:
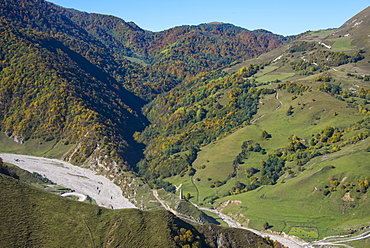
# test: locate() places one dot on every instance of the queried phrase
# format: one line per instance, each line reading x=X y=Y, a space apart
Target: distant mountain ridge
x=192 y=48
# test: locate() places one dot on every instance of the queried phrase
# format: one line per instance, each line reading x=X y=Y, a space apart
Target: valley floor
x=288 y=241
x=109 y=195
x=82 y=180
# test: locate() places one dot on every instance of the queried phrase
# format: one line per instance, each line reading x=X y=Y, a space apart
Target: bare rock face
x=17 y=139
x=347 y=197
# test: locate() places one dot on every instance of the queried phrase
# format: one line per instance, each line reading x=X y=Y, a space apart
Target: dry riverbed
x=82 y=180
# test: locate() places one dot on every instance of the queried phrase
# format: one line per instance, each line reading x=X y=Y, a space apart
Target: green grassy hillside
x=293 y=200
x=34 y=218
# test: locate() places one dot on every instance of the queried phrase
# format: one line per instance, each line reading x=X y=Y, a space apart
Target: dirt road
x=288 y=242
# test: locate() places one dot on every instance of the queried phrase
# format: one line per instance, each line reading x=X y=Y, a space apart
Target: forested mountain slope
x=50 y=91
x=79 y=80
x=180 y=51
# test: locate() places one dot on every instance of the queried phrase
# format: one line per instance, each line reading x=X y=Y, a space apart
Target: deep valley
x=195 y=124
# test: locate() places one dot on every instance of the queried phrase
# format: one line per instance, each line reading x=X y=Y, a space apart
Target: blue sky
x=284 y=17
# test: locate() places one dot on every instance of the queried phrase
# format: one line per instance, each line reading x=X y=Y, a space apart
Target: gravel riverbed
x=82 y=180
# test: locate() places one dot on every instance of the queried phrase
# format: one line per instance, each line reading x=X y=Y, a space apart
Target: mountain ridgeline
x=180 y=51
x=79 y=80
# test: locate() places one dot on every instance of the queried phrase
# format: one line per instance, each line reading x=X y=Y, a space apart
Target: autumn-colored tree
x=187 y=196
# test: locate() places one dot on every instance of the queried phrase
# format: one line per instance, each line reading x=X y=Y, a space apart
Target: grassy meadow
x=34 y=147
x=295 y=205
